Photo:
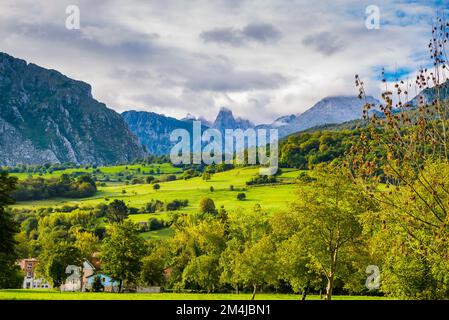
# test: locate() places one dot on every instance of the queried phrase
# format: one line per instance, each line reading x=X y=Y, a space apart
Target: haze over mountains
x=46 y=117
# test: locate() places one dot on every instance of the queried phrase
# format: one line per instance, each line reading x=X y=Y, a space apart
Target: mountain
x=330 y=110
x=153 y=129
x=225 y=120
x=46 y=117
x=428 y=95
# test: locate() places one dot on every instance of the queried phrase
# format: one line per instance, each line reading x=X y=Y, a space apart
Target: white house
x=30 y=281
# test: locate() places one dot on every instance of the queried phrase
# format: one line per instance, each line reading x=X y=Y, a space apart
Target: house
x=109 y=284
x=78 y=277
x=31 y=281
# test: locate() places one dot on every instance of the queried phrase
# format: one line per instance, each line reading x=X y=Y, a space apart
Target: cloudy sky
x=262 y=59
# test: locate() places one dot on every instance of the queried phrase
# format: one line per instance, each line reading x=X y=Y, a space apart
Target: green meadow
x=18 y=294
x=271 y=197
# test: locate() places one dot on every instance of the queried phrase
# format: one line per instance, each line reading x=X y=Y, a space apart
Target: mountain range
x=46 y=117
x=153 y=130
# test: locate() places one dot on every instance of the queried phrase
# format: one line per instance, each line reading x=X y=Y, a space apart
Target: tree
x=149 y=179
x=202 y=271
x=256 y=265
x=117 y=211
x=123 y=250
x=156 y=186
x=153 y=269
x=293 y=266
x=328 y=214
x=86 y=242
x=8 y=230
x=206 y=176
x=97 y=286
x=241 y=196
x=244 y=233
x=401 y=161
x=207 y=205
x=54 y=260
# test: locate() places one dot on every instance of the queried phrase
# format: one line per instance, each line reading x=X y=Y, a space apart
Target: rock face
x=46 y=117
x=225 y=120
x=154 y=129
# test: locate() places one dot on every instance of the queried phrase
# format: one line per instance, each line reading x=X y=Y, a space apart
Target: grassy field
x=270 y=197
x=57 y=295
x=137 y=169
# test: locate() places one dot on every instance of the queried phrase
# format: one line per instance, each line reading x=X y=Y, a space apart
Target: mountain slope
x=153 y=130
x=330 y=110
x=46 y=117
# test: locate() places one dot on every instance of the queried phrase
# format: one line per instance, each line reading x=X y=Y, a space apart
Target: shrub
x=304 y=177
x=149 y=179
x=153 y=206
x=241 y=196
x=261 y=180
x=207 y=205
x=137 y=181
x=176 y=205
x=166 y=178
x=97 y=286
x=155 y=224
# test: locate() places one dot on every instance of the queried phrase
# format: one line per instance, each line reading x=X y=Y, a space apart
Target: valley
x=270 y=197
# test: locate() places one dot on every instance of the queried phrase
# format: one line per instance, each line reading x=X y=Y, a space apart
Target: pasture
x=271 y=197
x=36 y=294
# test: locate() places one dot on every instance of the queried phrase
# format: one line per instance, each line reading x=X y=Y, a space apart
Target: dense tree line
x=305 y=150
x=64 y=186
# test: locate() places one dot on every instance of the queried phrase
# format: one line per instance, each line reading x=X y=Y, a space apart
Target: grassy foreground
x=19 y=294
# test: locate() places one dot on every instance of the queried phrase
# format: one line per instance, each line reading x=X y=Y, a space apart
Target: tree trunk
x=254 y=292
x=304 y=293
x=330 y=286
x=331 y=276
x=120 y=286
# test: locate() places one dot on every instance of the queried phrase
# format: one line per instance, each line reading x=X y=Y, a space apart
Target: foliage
x=207 y=205
x=305 y=150
x=65 y=186
x=261 y=180
x=122 y=252
x=97 y=286
x=241 y=196
x=117 y=211
x=8 y=230
x=409 y=142
x=328 y=217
